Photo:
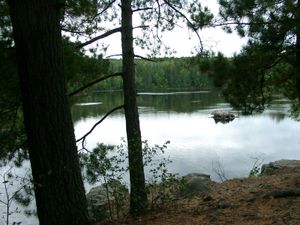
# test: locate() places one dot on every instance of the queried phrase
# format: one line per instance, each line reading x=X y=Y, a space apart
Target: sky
x=183 y=41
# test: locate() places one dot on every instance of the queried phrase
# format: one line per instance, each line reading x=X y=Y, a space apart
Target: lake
x=197 y=143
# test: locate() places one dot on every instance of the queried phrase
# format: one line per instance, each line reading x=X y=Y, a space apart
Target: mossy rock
x=195 y=183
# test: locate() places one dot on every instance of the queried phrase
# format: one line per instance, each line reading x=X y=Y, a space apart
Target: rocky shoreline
x=273 y=197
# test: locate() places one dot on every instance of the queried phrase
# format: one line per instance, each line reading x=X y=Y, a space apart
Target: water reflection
x=83 y=107
x=181 y=102
x=197 y=142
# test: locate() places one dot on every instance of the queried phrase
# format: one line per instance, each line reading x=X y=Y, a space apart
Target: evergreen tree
x=269 y=63
x=79 y=69
x=59 y=191
x=156 y=16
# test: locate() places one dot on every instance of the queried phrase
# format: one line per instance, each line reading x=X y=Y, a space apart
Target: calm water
x=198 y=144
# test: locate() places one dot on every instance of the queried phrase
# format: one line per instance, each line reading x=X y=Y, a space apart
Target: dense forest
x=44 y=63
x=159 y=74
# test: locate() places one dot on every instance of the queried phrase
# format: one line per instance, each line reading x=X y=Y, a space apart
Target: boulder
x=195 y=183
x=280 y=166
x=222 y=116
x=103 y=200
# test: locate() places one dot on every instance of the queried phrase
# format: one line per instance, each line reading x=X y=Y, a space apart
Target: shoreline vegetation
x=163 y=74
x=271 y=197
x=53 y=50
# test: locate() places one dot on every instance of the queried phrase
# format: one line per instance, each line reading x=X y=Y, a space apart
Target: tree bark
x=59 y=191
x=138 y=197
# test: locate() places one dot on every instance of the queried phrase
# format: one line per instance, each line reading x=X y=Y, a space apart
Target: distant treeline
x=164 y=73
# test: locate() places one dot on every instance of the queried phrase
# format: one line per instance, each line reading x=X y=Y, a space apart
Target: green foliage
x=80 y=68
x=268 y=64
x=201 y=16
x=247 y=88
x=242 y=86
x=105 y=164
x=162 y=186
x=218 y=67
x=102 y=165
x=108 y=164
x=169 y=73
x=166 y=73
x=85 y=17
x=295 y=110
x=249 y=81
x=12 y=135
x=255 y=171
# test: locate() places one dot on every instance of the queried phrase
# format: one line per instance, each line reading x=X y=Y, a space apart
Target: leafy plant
x=104 y=164
x=255 y=171
x=108 y=164
x=162 y=185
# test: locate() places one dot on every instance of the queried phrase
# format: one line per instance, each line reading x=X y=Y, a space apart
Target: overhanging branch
x=106 y=34
x=142 y=9
x=105 y=8
x=94 y=82
x=144 y=58
x=73 y=31
x=100 y=121
x=220 y=24
x=136 y=56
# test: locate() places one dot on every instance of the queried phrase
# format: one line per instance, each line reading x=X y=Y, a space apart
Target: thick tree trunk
x=138 y=197
x=59 y=190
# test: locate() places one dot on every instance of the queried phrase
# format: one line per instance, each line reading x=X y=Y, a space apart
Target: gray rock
x=195 y=183
x=277 y=166
x=222 y=116
x=102 y=199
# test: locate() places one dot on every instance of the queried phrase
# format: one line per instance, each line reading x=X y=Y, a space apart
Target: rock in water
x=222 y=116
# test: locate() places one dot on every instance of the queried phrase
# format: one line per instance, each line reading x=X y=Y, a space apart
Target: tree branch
x=100 y=121
x=110 y=56
x=141 y=26
x=142 y=9
x=105 y=8
x=106 y=34
x=94 y=82
x=144 y=58
x=158 y=16
x=72 y=31
x=238 y=23
x=136 y=56
x=191 y=25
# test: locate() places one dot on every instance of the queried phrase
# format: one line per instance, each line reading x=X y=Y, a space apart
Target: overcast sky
x=184 y=41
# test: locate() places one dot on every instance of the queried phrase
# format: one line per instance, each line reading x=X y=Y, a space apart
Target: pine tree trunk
x=59 y=190
x=138 y=197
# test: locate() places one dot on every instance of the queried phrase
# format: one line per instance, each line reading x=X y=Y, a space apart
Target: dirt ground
x=264 y=200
